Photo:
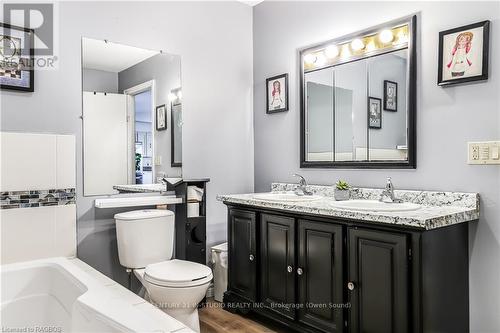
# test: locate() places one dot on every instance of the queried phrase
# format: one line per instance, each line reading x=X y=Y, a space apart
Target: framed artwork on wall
x=463 y=54
x=17 y=58
x=390 y=96
x=374 y=112
x=277 y=93
x=161 y=118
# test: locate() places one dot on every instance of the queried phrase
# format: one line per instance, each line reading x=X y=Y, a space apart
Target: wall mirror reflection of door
x=122 y=86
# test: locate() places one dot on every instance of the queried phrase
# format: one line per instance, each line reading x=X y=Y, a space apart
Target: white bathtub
x=67 y=295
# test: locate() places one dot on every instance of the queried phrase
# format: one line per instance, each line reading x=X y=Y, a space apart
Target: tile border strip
x=37 y=198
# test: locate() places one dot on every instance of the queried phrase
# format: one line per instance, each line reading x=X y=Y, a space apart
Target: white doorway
x=141 y=130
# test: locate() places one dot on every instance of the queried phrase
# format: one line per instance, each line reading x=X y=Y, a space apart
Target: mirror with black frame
x=358 y=99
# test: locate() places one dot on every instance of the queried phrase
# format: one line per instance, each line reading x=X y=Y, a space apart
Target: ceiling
x=112 y=57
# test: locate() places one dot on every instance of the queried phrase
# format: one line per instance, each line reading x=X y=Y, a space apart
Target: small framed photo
x=17 y=58
x=277 y=93
x=161 y=118
x=463 y=54
x=390 y=96
x=374 y=112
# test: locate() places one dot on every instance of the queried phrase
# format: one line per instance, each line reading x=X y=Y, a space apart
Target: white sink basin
x=285 y=197
x=375 y=205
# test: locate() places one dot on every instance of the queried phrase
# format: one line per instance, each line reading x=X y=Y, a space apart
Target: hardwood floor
x=214 y=319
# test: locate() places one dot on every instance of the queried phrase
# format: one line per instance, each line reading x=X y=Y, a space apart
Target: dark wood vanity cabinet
x=319 y=274
x=277 y=264
x=243 y=250
x=378 y=281
x=321 y=271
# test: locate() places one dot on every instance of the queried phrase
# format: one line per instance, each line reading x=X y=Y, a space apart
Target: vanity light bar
x=379 y=42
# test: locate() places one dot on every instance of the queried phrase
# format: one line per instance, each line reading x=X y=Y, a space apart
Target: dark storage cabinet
x=242 y=254
x=320 y=284
x=277 y=261
x=378 y=281
x=319 y=274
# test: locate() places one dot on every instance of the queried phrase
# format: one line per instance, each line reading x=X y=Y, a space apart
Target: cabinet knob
x=251 y=257
x=289 y=269
x=300 y=271
x=350 y=285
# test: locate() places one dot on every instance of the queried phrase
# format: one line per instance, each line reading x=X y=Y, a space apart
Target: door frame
x=131 y=92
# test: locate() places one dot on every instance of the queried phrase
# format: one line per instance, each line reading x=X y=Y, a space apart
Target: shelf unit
x=190 y=232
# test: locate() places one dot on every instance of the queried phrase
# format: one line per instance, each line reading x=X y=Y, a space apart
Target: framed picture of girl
x=463 y=54
x=277 y=93
x=161 y=118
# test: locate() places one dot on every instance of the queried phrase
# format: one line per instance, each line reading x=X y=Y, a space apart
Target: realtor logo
x=37 y=16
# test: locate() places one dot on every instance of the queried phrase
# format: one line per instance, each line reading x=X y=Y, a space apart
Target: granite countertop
x=141 y=188
x=438 y=209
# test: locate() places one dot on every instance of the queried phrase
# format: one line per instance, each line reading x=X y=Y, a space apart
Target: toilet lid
x=177 y=273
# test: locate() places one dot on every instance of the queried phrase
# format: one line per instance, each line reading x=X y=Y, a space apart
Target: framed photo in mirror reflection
x=374 y=112
x=277 y=94
x=390 y=96
x=161 y=118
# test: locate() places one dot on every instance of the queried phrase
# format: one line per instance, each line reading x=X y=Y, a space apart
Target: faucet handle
x=302 y=179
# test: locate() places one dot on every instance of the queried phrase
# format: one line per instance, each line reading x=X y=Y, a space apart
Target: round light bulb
x=331 y=51
x=309 y=58
x=357 y=44
x=386 y=36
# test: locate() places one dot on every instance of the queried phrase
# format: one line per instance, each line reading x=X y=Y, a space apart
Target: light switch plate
x=484 y=152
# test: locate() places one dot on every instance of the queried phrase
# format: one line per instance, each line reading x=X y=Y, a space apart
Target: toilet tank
x=144 y=237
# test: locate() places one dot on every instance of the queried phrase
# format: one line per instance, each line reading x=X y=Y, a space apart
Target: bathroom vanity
x=317 y=266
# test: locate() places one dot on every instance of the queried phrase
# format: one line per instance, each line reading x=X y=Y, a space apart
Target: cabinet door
x=320 y=284
x=242 y=254
x=277 y=264
x=378 y=271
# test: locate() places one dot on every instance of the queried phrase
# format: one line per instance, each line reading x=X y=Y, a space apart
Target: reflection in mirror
x=176 y=121
x=358 y=97
x=123 y=86
x=387 y=78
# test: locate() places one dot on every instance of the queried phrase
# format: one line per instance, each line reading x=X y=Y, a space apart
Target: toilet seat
x=177 y=273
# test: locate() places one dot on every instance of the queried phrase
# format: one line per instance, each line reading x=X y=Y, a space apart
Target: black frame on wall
x=29 y=34
x=411 y=163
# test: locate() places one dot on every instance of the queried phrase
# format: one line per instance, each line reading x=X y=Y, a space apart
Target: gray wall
x=165 y=69
x=447 y=117
x=198 y=32
x=101 y=81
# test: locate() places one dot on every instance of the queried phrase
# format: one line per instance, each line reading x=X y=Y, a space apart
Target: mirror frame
x=411 y=163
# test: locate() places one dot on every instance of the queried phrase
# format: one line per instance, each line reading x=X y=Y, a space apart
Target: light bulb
x=386 y=36
x=331 y=51
x=172 y=97
x=357 y=44
x=179 y=94
x=309 y=58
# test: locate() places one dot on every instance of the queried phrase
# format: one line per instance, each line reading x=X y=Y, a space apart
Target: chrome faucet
x=301 y=189
x=389 y=192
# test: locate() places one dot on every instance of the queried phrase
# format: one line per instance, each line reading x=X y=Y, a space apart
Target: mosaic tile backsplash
x=39 y=198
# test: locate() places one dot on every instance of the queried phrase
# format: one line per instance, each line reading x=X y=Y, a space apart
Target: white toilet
x=145 y=244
